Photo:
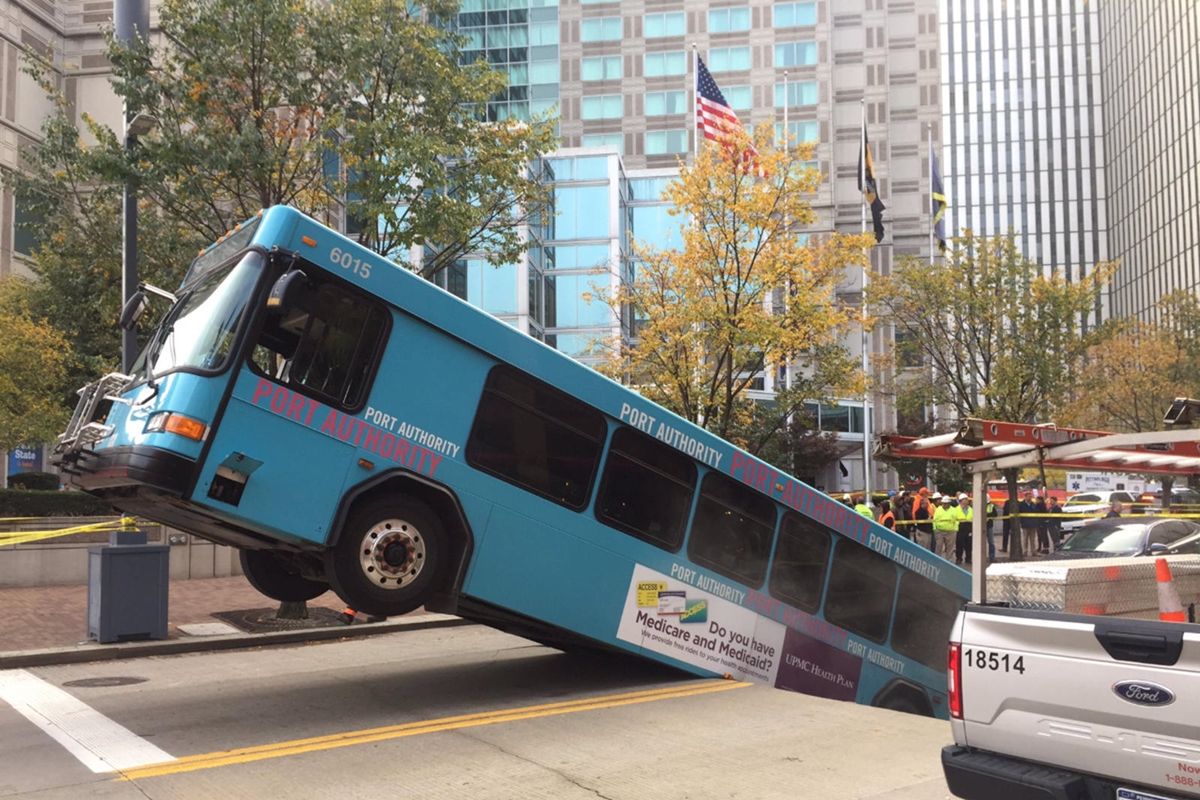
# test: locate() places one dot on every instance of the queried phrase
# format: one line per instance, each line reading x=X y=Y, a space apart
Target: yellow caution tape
x=8 y=538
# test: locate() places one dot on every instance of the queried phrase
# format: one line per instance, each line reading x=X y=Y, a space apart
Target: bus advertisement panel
x=349 y=426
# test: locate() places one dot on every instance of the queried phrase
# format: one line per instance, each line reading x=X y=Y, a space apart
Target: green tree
x=420 y=158
x=997 y=337
x=33 y=361
x=71 y=191
x=361 y=105
x=264 y=103
x=742 y=295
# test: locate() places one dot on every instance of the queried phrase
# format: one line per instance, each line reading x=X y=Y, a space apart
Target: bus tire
x=269 y=574
x=388 y=558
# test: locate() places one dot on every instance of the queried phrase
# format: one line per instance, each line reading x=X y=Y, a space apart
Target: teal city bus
x=350 y=426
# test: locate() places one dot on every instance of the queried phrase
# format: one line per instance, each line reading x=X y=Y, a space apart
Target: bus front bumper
x=133 y=466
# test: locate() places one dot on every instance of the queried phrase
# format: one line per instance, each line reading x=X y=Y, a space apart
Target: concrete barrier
x=64 y=561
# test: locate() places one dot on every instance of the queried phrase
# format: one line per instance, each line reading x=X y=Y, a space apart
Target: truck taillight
x=954 y=680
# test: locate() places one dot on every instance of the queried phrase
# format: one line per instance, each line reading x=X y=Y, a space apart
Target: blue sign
x=24 y=459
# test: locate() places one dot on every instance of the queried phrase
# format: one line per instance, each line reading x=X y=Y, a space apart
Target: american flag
x=714 y=118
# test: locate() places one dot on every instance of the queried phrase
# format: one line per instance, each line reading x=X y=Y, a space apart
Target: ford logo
x=1144 y=693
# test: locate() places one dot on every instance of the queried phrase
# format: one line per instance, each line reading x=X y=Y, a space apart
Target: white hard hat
x=962 y=496
x=936 y=496
x=845 y=497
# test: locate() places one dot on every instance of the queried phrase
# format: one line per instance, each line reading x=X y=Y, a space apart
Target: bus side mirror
x=285 y=291
x=134 y=308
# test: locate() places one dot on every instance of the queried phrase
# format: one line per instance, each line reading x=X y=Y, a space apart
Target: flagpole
x=862 y=155
x=695 y=103
x=785 y=111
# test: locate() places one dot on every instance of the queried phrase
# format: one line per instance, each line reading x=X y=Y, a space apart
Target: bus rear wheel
x=389 y=556
x=268 y=573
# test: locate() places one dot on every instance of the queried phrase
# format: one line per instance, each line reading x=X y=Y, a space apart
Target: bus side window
x=536 y=437
x=647 y=489
x=801 y=561
x=732 y=530
x=862 y=586
x=925 y=615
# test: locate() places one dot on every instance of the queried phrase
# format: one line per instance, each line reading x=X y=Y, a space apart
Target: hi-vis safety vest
x=865 y=510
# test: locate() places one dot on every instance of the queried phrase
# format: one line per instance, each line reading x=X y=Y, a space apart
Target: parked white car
x=1094 y=503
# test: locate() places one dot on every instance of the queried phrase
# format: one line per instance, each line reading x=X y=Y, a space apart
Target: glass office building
x=1024 y=145
x=1151 y=78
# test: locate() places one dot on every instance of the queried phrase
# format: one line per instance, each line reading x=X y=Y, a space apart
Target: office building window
x=796 y=54
x=658 y=25
x=788 y=15
x=663 y=142
x=725 y=59
x=673 y=62
x=600 y=29
x=799 y=93
x=604 y=106
x=801 y=131
x=738 y=97
x=541 y=33
x=600 y=139
x=725 y=20
x=660 y=103
x=601 y=68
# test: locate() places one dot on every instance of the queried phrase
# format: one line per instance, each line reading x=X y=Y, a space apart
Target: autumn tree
x=33 y=362
x=996 y=336
x=1129 y=381
x=744 y=293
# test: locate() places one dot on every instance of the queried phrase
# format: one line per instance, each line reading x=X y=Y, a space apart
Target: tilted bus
x=346 y=424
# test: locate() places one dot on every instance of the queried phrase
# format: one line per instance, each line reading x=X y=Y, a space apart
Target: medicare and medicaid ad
x=719 y=627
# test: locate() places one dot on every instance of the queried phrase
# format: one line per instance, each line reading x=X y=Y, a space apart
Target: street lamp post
x=131 y=20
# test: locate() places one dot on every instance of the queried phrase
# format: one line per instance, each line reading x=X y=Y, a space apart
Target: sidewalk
x=51 y=621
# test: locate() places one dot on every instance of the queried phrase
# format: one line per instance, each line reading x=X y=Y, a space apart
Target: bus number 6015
x=347 y=261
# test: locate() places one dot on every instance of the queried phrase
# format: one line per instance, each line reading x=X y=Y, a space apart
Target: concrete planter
x=64 y=560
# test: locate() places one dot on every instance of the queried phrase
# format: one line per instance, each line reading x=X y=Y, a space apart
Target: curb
x=88 y=653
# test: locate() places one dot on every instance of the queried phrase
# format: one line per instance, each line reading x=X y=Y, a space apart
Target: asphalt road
x=457 y=713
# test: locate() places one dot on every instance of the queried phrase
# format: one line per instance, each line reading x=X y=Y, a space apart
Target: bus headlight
x=170 y=422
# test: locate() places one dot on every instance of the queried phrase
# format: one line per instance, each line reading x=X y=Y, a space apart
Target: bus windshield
x=198 y=333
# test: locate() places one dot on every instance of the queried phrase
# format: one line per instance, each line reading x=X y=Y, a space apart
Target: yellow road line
x=350 y=738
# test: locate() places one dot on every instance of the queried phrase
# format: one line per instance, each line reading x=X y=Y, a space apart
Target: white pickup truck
x=1058 y=706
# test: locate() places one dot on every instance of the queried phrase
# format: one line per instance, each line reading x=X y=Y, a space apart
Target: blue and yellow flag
x=937 y=201
x=868 y=186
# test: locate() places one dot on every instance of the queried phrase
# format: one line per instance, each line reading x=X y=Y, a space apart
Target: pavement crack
x=539 y=764
x=140 y=790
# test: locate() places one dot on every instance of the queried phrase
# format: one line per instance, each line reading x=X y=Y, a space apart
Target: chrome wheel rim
x=392 y=554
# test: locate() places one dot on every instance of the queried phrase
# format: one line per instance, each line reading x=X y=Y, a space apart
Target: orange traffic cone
x=347 y=616
x=1169 y=607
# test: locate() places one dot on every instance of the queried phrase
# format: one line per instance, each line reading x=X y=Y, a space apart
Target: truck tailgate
x=1106 y=696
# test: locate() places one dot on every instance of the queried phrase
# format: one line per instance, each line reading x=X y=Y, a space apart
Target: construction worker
x=945 y=527
x=962 y=541
x=886 y=517
x=860 y=505
x=918 y=496
x=992 y=513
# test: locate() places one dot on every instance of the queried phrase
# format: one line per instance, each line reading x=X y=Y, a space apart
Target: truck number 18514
x=986 y=659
